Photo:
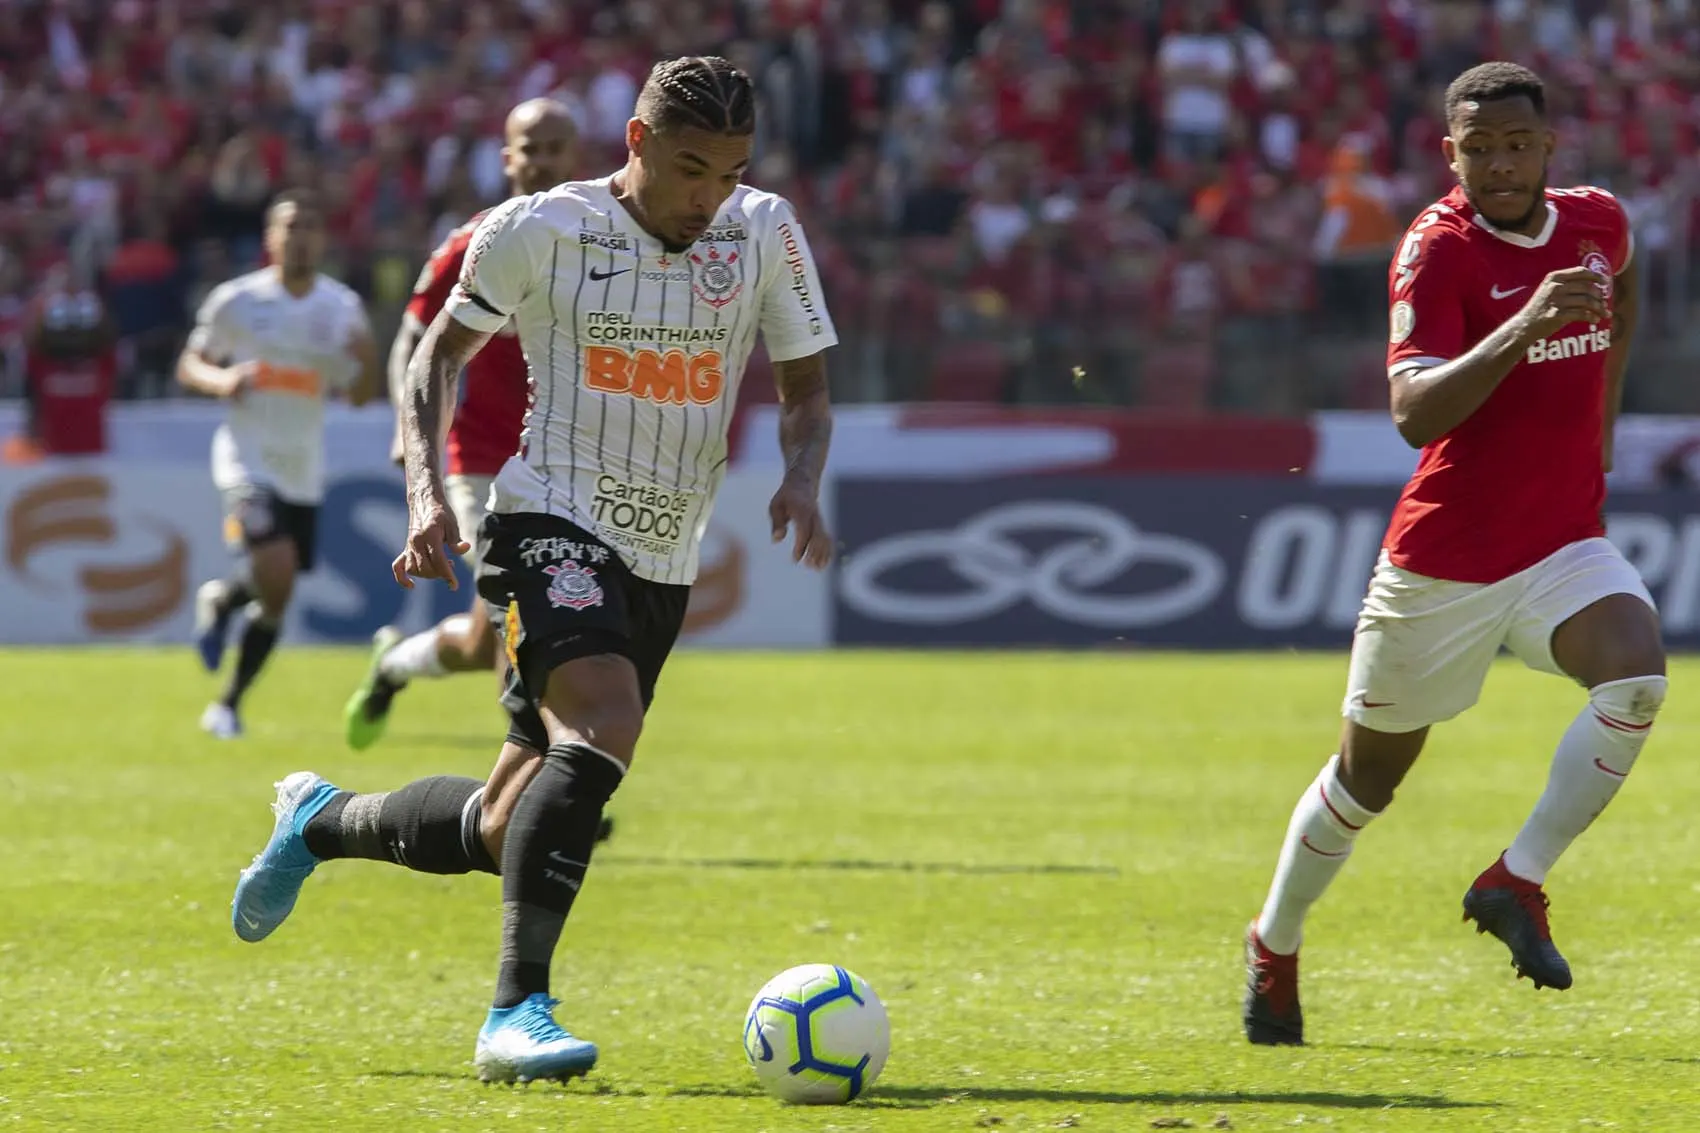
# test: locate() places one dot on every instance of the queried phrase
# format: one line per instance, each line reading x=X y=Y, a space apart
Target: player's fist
x=241 y=379
x=432 y=535
x=795 y=508
x=1573 y=295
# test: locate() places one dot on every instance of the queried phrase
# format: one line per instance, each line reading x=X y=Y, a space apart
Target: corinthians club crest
x=573 y=586
x=714 y=280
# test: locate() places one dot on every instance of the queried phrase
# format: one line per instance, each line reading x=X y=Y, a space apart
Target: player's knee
x=480 y=642
x=1631 y=704
x=1373 y=764
x=595 y=701
x=612 y=729
x=595 y=774
x=273 y=570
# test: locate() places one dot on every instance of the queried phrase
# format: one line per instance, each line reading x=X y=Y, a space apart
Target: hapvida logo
x=119 y=597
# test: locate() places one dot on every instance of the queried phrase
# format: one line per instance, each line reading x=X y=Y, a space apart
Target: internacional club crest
x=714 y=280
x=1594 y=259
x=572 y=586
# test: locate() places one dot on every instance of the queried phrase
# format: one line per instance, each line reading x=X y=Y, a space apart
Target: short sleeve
x=1425 y=290
x=437 y=278
x=503 y=261
x=214 y=334
x=1623 y=248
x=794 y=319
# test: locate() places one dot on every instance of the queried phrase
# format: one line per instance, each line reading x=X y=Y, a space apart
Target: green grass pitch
x=1042 y=863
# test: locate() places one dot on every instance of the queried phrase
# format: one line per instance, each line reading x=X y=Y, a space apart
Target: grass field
x=1042 y=863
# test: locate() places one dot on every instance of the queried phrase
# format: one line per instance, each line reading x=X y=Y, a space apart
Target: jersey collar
x=1518 y=238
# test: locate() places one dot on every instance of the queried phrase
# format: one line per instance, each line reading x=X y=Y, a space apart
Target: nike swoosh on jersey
x=599 y=276
x=1495 y=292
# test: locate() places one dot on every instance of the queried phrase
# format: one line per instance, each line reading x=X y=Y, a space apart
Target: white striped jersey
x=635 y=355
x=275 y=435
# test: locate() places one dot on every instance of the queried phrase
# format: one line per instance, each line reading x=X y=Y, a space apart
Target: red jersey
x=496 y=385
x=1521 y=476
x=71 y=395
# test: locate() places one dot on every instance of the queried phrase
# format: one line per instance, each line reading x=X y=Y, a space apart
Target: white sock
x=413 y=657
x=1592 y=760
x=1319 y=839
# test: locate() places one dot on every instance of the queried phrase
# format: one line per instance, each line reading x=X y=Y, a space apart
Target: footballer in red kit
x=487 y=423
x=540 y=151
x=1511 y=308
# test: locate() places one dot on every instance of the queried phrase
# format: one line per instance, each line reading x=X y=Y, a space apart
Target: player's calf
x=215 y=602
x=274 y=568
x=593 y=713
x=429 y=826
x=1593 y=759
x=1325 y=825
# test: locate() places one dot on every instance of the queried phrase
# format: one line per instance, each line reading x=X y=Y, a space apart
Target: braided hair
x=704 y=92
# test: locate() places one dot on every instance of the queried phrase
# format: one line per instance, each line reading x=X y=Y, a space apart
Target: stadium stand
x=1181 y=205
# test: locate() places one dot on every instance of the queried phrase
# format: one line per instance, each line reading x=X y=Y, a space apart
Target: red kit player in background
x=1512 y=307
x=540 y=151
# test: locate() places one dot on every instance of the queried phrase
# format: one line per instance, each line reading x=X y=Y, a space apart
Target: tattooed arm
x=805 y=418
x=805 y=434
x=428 y=399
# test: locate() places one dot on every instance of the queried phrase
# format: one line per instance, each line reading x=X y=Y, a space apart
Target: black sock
x=237 y=593
x=258 y=637
x=544 y=858
x=428 y=826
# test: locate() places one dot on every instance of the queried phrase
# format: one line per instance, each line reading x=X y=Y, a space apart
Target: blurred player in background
x=541 y=146
x=275 y=344
x=1512 y=310
x=638 y=299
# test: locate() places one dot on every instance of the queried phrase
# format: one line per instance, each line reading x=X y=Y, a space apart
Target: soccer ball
x=816 y=1035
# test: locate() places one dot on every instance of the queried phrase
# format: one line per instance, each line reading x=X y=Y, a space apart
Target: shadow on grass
x=930 y=1095
x=488 y=742
x=858 y=865
x=925 y=1097
x=1552 y=1055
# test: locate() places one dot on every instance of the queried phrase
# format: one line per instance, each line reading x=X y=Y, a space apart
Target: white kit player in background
x=638 y=298
x=275 y=344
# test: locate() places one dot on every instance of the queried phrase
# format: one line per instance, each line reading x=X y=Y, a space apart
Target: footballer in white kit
x=638 y=299
x=275 y=344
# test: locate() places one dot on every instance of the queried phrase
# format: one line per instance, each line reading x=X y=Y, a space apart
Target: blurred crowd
x=1149 y=202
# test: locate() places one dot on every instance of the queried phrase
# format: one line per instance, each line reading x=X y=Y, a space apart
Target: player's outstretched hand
x=432 y=535
x=1573 y=295
x=794 y=507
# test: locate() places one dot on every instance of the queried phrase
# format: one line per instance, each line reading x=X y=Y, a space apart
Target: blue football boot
x=523 y=1043
x=266 y=891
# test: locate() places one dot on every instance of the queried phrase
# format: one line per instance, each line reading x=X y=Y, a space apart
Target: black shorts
x=564 y=594
x=255 y=515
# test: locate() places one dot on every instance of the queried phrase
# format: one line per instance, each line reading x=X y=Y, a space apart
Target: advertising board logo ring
x=999 y=573
x=120 y=597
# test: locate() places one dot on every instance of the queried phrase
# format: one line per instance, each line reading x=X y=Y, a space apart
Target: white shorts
x=1423 y=645
x=469 y=499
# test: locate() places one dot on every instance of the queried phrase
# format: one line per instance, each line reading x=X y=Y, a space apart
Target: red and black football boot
x=1515 y=911
x=1271 y=1014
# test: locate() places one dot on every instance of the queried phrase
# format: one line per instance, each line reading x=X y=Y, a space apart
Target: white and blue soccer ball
x=816 y=1035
